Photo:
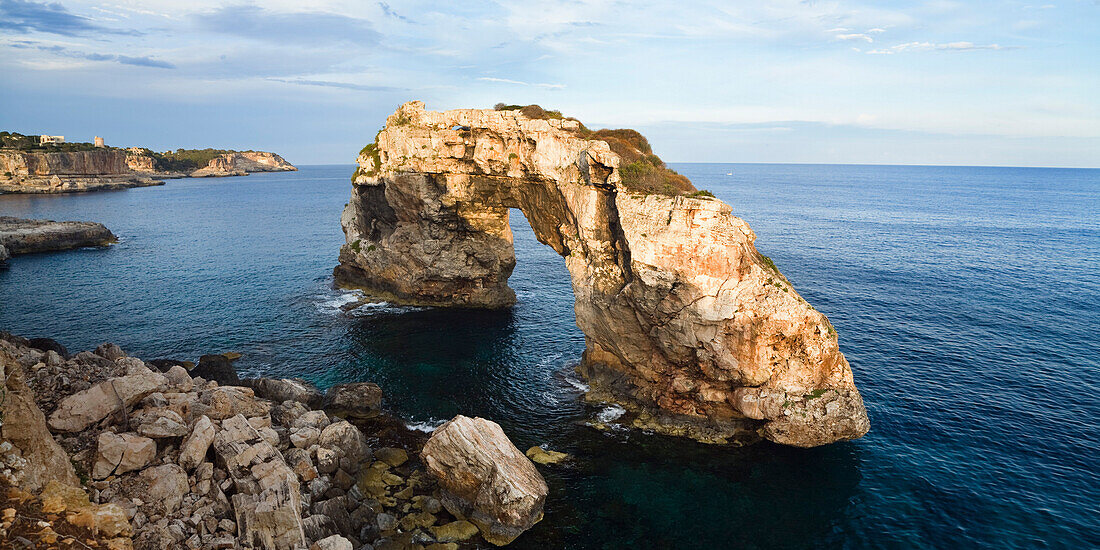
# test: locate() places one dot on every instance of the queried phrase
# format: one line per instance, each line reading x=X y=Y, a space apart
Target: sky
x=936 y=82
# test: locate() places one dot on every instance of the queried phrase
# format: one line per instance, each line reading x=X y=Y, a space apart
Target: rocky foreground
x=687 y=325
x=114 y=452
x=23 y=236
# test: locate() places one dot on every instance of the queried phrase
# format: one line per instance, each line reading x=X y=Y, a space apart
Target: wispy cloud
x=929 y=46
x=857 y=36
x=56 y=49
x=144 y=61
x=510 y=81
x=334 y=84
x=386 y=9
x=24 y=16
x=309 y=28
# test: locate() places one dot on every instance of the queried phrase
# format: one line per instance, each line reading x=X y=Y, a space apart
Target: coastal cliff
x=204 y=163
x=29 y=166
x=66 y=172
x=687 y=325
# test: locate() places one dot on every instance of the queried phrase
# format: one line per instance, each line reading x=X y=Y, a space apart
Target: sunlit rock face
x=687 y=325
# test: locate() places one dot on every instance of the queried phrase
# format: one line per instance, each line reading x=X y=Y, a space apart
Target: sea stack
x=687 y=325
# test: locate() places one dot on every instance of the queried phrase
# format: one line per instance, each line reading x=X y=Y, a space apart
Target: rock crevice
x=683 y=317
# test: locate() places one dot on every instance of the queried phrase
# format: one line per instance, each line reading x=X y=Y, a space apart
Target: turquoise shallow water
x=966 y=299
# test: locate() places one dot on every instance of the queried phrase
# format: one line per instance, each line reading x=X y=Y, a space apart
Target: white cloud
x=929 y=46
x=857 y=36
x=510 y=81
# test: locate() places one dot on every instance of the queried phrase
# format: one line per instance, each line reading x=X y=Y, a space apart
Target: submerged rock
x=485 y=478
x=543 y=456
x=680 y=311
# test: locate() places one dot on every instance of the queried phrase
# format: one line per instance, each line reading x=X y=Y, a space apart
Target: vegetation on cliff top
x=186 y=160
x=30 y=144
x=640 y=169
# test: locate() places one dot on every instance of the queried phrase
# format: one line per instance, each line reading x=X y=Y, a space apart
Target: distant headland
x=49 y=164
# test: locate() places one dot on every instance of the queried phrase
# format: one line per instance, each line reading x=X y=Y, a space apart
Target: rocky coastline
x=123 y=453
x=224 y=165
x=38 y=172
x=23 y=236
x=687 y=325
x=68 y=172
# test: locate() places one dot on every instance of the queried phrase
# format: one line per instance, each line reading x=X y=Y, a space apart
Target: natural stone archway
x=686 y=324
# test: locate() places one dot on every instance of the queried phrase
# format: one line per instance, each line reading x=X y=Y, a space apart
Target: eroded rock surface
x=23 y=236
x=687 y=324
x=485 y=478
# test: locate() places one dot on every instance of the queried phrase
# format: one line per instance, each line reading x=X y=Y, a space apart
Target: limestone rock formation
x=67 y=172
x=22 y=236
x=79 y=410
x=687 y=324
x=23 y=428
x=485 y=478
x=238 y=164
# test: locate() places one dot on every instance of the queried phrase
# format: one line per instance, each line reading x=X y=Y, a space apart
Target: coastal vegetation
x=30 y=144
x=185 y=160
x=641 y=170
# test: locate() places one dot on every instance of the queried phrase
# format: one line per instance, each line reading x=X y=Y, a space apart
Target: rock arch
x=687 y=326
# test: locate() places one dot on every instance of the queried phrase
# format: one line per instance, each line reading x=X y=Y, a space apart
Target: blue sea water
x=967 y=301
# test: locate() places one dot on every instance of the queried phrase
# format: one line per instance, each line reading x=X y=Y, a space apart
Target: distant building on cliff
x=43 y=140
x=99 y=142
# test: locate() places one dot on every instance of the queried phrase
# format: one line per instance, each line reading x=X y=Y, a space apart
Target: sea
x=967 y=300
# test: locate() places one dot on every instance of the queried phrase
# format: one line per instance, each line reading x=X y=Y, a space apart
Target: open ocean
x=966 y=299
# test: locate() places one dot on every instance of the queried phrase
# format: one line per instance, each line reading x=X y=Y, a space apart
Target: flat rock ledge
x=23 y=236
x=145 y=455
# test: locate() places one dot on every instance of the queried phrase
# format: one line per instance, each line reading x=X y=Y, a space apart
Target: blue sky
x=938 y=82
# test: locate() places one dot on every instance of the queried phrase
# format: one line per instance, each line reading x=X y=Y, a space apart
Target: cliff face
x=67 y=172
x=234 y=164
x=80 y=163
x=687 y=325
x=138 y=161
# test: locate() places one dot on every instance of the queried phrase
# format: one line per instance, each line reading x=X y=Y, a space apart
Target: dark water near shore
x=966 y=299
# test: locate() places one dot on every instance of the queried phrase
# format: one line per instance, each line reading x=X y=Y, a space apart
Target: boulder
x=335 y=542
x=161 y=423
x=217 y=368
x=455 y=531
x=48 y=344
x=268 y=501
x=227 y=401
x=193 y=449
x=485 y=478
x=358 y=400
x=349 y=443
x=24 y=426
x=82 y=409
x=179 y=379
x=109 y=351
x=164 y=364
x=286 y=389
x=167 y=486
x=392 y=456
x=117 y=454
